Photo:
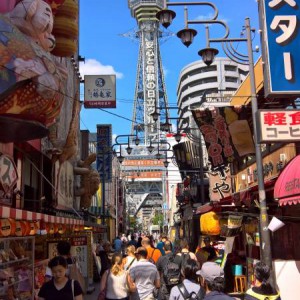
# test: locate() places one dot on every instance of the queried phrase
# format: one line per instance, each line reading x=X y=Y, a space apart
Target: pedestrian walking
x=132 y=242
x=60 y=287
x=143 y=277
x=114 y=281
x=189 y=288
x=104 y=258
x=212 y=280
x=169 y=269
x=153 y=254
x=118 y=244
x=185 y=254
x=262 y=289
x=130 y=259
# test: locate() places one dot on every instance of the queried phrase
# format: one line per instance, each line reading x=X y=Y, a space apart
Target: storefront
x=286 y=240
x=25 y=248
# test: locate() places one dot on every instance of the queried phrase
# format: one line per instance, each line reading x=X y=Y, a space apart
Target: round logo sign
x=100 y=82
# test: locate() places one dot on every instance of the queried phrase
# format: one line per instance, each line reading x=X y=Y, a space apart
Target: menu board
x=79 y=249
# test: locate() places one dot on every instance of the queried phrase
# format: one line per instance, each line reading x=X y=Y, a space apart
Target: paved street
x=94 y=295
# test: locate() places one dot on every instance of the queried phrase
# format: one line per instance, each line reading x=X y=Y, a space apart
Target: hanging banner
x=100 y=91
x=104 y=151
x=279 y=21
x=219 y=185
x=226 y=133
x=8 y=178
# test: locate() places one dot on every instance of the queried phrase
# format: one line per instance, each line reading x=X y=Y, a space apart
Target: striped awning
x=19 y=214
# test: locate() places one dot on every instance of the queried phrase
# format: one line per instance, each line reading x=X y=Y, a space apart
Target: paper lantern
x=209 y=224
x=64 y=47
x=20 y=228
x=69 y=9
x=62 y=228
x=5 y=227
x=32 y=228
x=65 y=27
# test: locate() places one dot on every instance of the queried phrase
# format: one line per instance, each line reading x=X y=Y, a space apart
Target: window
x=230 y=79
x=230 y=68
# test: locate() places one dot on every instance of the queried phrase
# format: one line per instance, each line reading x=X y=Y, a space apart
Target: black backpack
x=171 y=273
x=184 y=258
x=190 y=296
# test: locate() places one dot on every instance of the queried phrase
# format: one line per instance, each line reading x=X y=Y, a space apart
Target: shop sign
x=279 y=21
x=220 y=184
x=213 y=127
x=78 y=241
x=100 y=91
x=104 y=151
x=279 y=125
x=64 y=185
x=8 y=178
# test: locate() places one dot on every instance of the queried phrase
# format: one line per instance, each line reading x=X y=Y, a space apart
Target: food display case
x=16 y=268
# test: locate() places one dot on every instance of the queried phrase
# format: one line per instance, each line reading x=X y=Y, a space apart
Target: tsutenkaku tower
x=150 y=92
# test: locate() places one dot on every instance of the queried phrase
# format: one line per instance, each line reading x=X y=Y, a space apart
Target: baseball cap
x=210 y=270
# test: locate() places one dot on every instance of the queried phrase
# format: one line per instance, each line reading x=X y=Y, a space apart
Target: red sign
x=279 y=125
x=78 y=241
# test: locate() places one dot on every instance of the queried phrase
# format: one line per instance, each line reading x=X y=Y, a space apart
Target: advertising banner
x=104 y=151
x=100 y=91
x=279 y=21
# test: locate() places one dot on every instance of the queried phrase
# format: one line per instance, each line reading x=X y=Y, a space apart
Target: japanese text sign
x=279 y=125
x=104 y=152
x=280 y=39
x=217 y=138
x=100 y=91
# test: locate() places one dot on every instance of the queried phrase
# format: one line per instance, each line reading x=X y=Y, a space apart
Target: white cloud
x=166 y=71
x=94 y=67
x=210 y=16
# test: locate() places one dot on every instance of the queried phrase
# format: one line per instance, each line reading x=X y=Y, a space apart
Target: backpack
x=184 y=258
x=189 y=296
x=171 y=272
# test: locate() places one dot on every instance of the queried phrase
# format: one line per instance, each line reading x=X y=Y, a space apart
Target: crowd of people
x=141 y=270
x=136 y=269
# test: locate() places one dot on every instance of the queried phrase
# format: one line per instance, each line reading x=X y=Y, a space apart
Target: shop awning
x=19 y=214
x=243 y=95
x=287 y=186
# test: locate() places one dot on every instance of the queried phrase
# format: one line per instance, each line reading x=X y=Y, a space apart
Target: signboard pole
x=266 y=255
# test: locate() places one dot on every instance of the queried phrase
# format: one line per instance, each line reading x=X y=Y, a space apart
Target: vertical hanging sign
x=104 y=152
x=279 y=21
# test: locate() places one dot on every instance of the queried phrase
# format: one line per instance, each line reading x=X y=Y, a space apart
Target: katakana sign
x=279 y=125
x=104 y=151
x=279 y=21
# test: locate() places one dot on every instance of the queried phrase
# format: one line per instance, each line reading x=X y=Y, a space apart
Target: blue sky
x=106 y=51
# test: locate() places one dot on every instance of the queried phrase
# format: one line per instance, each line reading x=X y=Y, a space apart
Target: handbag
x=102 y=294
x=75 y=274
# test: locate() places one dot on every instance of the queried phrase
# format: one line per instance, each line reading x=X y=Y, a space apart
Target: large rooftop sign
x=279 y=21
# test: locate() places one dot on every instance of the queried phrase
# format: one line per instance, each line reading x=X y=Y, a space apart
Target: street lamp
x=208 y=57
